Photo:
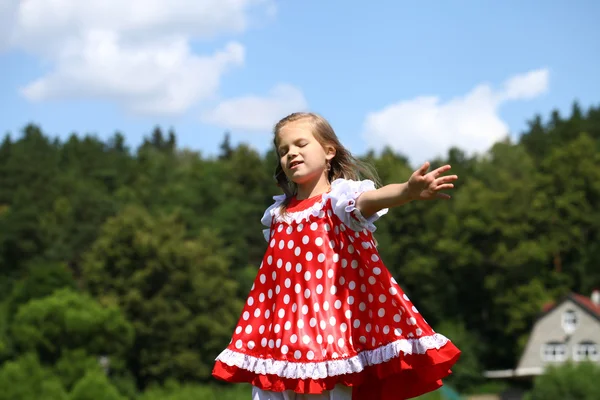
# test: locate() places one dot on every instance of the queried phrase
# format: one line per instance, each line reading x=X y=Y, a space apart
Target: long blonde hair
x=343 y=164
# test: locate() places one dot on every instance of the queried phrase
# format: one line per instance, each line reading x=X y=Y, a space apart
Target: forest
x=124 y=270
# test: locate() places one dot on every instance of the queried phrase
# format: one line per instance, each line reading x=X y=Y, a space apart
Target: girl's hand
x=427 y=186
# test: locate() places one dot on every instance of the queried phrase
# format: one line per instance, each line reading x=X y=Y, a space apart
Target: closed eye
x=284 y=150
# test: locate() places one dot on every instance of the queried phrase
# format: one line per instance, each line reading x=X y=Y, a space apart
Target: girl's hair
x=343 y=164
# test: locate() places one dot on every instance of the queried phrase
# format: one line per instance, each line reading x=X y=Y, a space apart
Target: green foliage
x=73 y=365
x=568 y=382
x=26 y=379
x=467 y=372
x=95 y=386
x=4 y=337
x=146 y=255
x=71 y=320
x=174 y=289
x=42 y=279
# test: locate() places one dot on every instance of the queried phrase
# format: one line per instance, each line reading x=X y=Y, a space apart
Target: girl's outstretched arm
x=393 y=195
x=420 y=186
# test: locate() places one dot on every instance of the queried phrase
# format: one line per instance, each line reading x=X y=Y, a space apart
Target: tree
x=41 y=280
x=225 y=147
x=95 y=386
x=571 y=381
x=26 y=379
x=467 y=372
x=70 y=320
x=175 y=289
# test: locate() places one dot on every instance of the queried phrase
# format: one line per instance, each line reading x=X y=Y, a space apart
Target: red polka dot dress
x=324 y=310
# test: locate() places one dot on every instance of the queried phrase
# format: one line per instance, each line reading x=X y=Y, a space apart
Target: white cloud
x=163 y=77
x=136 y=52
x=8 y=10
x=526 y=86
x=256 y=113
x=426 y=127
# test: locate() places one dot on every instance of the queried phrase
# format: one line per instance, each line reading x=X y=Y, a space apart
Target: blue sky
x=419 y=78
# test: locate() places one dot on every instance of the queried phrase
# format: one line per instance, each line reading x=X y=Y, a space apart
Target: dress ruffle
x=323 y=369
x=343 y=196
x=400 y=370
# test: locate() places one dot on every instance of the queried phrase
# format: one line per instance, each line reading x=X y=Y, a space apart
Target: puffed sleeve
x=343 y=194
x=270 y=212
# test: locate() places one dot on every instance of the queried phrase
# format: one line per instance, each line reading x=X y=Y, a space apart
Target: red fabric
x=321 y=294
x=298 y=205
x=400 y=378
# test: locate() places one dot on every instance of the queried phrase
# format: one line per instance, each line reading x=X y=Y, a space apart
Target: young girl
x=324 y=318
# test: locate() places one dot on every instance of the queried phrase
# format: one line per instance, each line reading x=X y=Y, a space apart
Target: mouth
x=294 y=164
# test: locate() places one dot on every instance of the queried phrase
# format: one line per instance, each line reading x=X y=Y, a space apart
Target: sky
x=419 y=78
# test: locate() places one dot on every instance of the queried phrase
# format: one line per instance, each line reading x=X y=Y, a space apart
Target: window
x=586 y=351
x=554 y=351
x=569 y=321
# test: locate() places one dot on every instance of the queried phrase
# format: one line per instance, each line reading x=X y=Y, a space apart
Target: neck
x=311 y=189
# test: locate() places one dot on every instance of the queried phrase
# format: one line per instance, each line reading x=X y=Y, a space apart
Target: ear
x=329 y=152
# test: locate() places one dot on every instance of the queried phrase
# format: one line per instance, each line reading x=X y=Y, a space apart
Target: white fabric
x=343 y=196
x=323 y=369
x=339 y=392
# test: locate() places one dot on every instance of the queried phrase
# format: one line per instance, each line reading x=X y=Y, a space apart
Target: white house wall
x=549 y=329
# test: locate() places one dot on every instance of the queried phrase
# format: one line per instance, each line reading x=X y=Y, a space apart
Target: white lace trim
x=343 y=195
x=303 y=215
x=324 y=369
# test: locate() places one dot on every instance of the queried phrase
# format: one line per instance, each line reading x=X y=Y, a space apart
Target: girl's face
x=302 y=157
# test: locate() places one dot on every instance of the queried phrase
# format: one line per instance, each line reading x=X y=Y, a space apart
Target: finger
x=445 y=186
x=438 y=171
x=443 y=196
x=446 y=179
x=424 y=168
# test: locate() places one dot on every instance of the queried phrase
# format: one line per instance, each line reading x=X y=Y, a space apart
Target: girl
x=324 y=318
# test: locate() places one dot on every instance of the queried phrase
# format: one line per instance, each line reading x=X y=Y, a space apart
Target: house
x=568 y=330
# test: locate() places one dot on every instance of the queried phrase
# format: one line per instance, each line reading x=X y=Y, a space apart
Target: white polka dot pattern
x=329 y=297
